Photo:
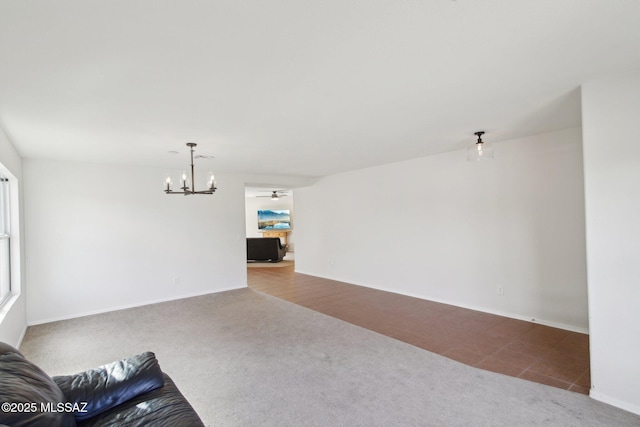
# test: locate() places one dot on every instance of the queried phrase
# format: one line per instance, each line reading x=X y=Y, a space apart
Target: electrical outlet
x=500 y=290
x=176 y=280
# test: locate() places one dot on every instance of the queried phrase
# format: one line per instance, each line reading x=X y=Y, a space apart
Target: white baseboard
x=124 y=307
x=544 y=322
x=615 y=402
x=24 y=331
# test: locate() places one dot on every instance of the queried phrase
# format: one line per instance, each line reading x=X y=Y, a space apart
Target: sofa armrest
x=23 y=382
x=109 y=385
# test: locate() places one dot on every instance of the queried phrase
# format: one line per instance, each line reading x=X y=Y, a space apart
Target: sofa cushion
x=109 y=385
x=23 y=382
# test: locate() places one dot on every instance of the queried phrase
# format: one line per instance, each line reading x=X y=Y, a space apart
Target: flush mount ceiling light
x=480 y=150
x=186 y=182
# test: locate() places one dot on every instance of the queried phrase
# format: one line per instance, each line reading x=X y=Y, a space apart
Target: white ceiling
x=293 y=87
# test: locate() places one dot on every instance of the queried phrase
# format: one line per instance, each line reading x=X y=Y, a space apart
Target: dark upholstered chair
x=265 y=249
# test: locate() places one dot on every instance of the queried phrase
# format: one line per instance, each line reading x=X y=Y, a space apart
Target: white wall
x=445 y=229
x=253 y=204
x=105 y=237
x=13 y=314
x=611 y=113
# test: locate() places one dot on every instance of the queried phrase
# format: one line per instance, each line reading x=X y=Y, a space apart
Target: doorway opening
x=269 y=213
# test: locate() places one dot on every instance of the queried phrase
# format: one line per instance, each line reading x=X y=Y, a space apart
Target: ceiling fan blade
x=276 y=194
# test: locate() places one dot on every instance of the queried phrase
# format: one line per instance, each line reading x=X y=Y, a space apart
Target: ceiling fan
x=276 y=194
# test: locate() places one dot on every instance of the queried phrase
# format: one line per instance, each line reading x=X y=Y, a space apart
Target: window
x=5 y=241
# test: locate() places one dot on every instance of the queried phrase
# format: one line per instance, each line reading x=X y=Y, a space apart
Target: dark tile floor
x=517 y=348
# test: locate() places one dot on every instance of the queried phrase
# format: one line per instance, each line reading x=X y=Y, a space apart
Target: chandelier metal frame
x=188 y=187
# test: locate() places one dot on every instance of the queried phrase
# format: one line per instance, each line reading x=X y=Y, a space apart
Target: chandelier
x=187 y=185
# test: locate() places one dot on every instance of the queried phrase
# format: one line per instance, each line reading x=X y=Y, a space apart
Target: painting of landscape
x=274 y=219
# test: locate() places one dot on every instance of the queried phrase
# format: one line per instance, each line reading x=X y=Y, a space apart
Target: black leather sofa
x=129 y=392
x=265 y=249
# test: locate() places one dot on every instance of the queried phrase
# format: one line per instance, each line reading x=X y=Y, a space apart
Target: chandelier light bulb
x=211 y=184
x=184 y=180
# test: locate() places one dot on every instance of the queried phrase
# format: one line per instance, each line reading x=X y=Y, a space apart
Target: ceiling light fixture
x=276 y=195
x=480 y=150
x=186 y=183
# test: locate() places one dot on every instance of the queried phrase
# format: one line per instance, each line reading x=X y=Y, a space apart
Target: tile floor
x=517 y=348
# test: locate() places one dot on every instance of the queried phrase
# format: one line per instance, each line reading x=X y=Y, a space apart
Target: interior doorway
x=259 y=200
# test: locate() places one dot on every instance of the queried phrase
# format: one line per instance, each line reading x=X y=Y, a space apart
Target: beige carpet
x=244 y=358
x=283 y=263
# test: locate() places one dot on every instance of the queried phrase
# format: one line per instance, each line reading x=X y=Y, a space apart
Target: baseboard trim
x=21 y=338
x=127 y=306
x=530 y=319
x=615 y=402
